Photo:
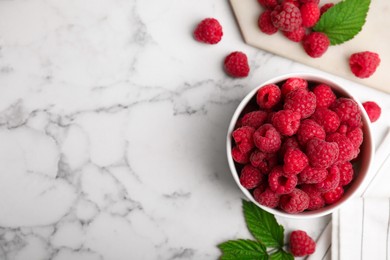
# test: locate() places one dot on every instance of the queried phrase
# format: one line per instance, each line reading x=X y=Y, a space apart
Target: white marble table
x=112 y=129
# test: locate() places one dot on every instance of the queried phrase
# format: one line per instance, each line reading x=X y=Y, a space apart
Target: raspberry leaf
x=243 y=249
x=281 y=255
x=263 y=225
x=343 y=21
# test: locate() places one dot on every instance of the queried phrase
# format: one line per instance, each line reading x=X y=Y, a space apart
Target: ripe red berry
x=280 y=183
x=296 y=35
x=326 y=118
x=321 y=154
x=286 y=122
x=236 y=64
x=324 y=95
x=356 y=137
x=294 y=161
x=294 y=202
x=267 y=198
x=373 y=110
x=364 y=64
x=346 y=148
x=315 y=44
x=243 y=137
x=268 y=3
x=308 y=130
x=250 y=177
x=268 y=96
x=346 y=173
x=286 y=17
x=312 y=175
x=348 y=111
x=265 y=24
x=301 y=101
x=267 y=138
x=254 y=119
x=334 y=195
x=310 y=14
x=293 y=84
x=209 y=31
x=239 y=156
x=331 y=181
x=263 y=161
x=301 y=244
x=326 y=7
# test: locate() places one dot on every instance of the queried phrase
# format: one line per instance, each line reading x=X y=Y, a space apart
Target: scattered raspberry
x=326 y=7
x=236 y=64
x=288 y=143
x=250 y=177
x=326 y=118
x=265 y=24
x=348 y=111
x=286 y=17
x=310 y=13
x=321 y=154
x=239 y=156
x=254 y=119
x=267 y=198
x=316 y=199
x=279 y=183
x=268 y=96
x=316 y=44
x=346 y=173
x=294 y=161
x=301 y=244
x=293 y=84
x=208 y=31
x=356 y=137
x=286 y=122
x=271 y=4
x=263 y=161
x=312 y=175
x=332 y=180
x=324 y=95
x=334 y=195
x=296 y=35
x=294 y=202
x=373 y=110
x=301 y=101
x=308 y=130
x=346 y=149
x=364 y=64
x=267 y=139
x=243 y=137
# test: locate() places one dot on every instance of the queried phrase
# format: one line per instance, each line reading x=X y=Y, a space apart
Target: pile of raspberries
x=294 y=145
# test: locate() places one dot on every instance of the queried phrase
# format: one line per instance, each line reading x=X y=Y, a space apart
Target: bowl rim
x=310 y=76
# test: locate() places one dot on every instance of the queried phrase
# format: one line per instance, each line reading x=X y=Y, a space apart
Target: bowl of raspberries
x=299 y=145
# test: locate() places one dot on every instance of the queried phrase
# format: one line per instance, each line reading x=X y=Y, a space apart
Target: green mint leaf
x=281 y=255
x=263 y=225
x=343 y=21
x=243 y=249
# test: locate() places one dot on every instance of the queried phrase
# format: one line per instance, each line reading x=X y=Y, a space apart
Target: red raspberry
x=294 y=202
x=312 y=175
x=288 y=143
x=268 y=3
x=265 y=24
x=310 y=14
x=346 y=149
x=239 y=156
x=297 y=35
x=236 y=64
x=293 y=84
x=301 y=101
x=208 y=31
x=316 y=199
x=356 y=137
x=334 y=195
x=316 y=44
x=268 y=96
x=348 y=111
x=267 y=198
x=346 y=173
x=263 y=161
x=326 y=118
x=321 y=154
x=294 y=2
x=279 y=183
x=373 y=110
x=286 y=122
x=243 y=137
x=294 y=161
x=301 y=244
x=343 y=129
x=267 y=139
x=308 y=130
x=326 y=7
x=250 y=177
x=286 y=17
x=324 y=95
x=364 y=64
x=254 y=119
x=332 y=180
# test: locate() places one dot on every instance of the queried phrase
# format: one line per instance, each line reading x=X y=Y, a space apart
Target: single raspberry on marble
x=346 y=148
x=286 y=122
x=288 y=143
x=294 y=161
x=301 y=101
x=263 y=161
x=209 y=31
x=286 y=17
x=239 y=156
x=308 y=130
x=243 y=137
x=324 y=95
x=356 y=137
x=301 y=244
x=267 y=198
x=254 y=119
x=373 y=110
x=267 y=139
x=364 y=64
x=326 y=118
x=326 y=7
x=316 y=199
x=321 y=154
x=346 y=173
x=312 y=175
x=310 y=13
x=270 y=4
x=348 y=111
x=294 y=202
x=250 y=177
x=296 y=35
x=332 y=180
x=265 y=24
x=280 y=183
x=293 y=84
x=236 y=64
x=268 y=96
x=334 y=195
x=315 y=44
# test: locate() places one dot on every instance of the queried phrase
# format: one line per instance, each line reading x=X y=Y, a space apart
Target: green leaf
x=281 y=255
x=243 y=249
x=343 y=21
x=263 y=225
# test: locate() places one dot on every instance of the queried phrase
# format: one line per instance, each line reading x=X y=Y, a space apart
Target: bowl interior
x=361 y=166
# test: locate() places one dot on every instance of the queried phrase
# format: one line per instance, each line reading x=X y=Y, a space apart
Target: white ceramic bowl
x=361 y=167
